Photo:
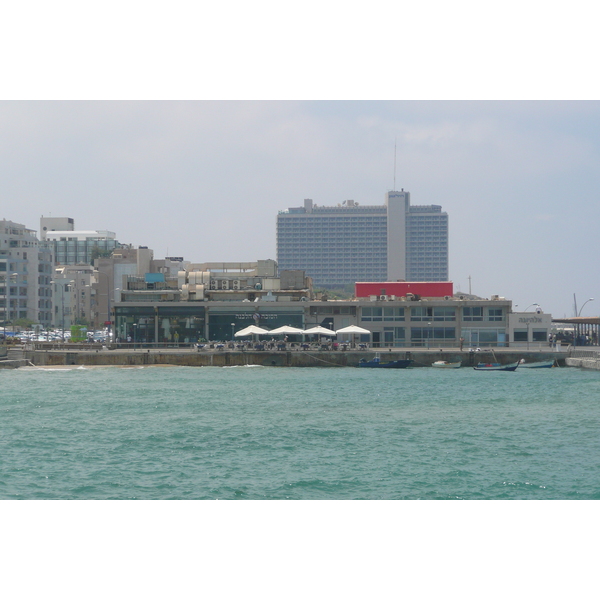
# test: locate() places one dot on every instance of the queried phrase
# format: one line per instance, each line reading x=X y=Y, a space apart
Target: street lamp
x=80 y=294
x=7 y=280
x=108 y=294
x=589 y=300
x=428 y=334
x=64 y=284
x=232 y=332
x=109 y=315
x=576 y=332
x=534 y=304
x=134 y=334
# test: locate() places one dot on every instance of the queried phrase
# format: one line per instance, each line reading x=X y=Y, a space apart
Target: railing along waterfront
x=574 y=352
x=96 y=347
x=202 y=347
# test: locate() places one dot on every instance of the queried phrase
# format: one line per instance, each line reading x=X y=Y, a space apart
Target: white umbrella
x=286 y=330
x=320 y=330
x=250 y=330
x=353 y=329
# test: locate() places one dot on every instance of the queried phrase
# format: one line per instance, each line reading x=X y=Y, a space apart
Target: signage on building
x=530 y=320
x=426 y=289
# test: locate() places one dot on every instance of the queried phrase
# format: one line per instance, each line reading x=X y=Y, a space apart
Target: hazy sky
x=205 y=179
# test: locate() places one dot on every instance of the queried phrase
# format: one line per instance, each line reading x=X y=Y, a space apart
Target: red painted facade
x=425 y=289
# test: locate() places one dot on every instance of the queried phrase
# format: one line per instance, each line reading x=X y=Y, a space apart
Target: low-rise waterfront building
x=442 y=321
x=530 y=329
x=208 y=300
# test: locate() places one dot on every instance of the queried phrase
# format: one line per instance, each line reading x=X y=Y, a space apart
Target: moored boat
x=444 y=364
x=543 y=364
x=496 y=367
x=376 y=363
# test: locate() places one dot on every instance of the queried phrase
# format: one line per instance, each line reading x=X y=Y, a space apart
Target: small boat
x=544 y=364
x=496 y=367
x=376 y=363
x=444 y=364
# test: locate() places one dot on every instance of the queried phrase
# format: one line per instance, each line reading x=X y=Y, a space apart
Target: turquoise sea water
x=284 y=433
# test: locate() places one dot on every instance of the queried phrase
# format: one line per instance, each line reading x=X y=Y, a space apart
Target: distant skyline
x=205 y=179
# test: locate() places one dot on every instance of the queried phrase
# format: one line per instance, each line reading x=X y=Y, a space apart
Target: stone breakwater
x=584 y=359
x=226 y=358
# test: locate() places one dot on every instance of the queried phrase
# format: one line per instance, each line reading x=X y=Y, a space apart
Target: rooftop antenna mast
x=394 y=164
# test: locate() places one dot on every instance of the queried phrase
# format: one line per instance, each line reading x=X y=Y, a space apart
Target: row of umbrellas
x=287 y=330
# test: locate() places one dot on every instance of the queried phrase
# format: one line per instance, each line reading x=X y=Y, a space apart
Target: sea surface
x=272 y=433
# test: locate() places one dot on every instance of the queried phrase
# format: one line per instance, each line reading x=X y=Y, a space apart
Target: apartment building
x=73 y=247
x=26 y=265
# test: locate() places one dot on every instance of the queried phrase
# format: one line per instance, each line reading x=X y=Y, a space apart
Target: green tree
x=345 y=293
x=23 y=323
x=99 y=253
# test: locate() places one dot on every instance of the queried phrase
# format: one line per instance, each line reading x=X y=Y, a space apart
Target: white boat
x=444 y=364
x=545 y=364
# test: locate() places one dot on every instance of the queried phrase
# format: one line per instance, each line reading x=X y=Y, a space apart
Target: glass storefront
x=159 y=324
x=224 y=322
x=484 y=337
x=394 y=336
x=165 y=324
x=420 y=336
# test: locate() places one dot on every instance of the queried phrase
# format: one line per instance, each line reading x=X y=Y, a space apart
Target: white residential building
x=25 y=275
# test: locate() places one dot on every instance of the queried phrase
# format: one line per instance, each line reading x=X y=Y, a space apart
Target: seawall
x=225 y=358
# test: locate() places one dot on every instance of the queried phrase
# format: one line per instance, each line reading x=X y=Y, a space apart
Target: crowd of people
x=281 y=345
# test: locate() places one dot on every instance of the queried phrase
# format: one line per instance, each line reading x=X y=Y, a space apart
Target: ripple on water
x=272 y=433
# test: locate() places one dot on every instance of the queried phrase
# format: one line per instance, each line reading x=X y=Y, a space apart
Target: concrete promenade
x=422 y=357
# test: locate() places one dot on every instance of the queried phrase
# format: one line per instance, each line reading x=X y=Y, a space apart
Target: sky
x=205 y=179
x=186 y=130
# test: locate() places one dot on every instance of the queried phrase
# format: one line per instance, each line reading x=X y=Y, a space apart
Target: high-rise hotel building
x=338 y=245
